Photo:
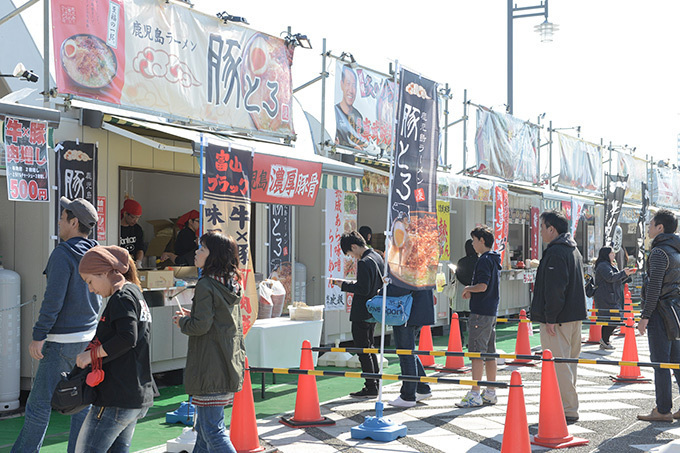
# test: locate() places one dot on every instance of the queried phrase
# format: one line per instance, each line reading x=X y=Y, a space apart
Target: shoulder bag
x=72 y=393
x=669 y=309
x=397 y=308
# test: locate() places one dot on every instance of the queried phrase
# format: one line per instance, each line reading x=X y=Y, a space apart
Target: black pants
x=362 y=336
x=607 y=332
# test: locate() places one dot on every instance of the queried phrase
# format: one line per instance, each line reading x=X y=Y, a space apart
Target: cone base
x=520 y=363
x=569 y=441
x=630 y=380
x=381 y=429
x=290 y=422
x=254 y=450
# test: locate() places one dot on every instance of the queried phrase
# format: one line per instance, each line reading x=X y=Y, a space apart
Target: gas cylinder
x=10 y=339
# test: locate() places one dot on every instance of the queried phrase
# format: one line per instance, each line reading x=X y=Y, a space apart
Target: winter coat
x=608 y=280
x=216 y=353
x=559 y=294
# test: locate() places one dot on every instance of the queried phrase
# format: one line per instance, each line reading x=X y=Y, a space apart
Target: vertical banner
x=501 y=224
x=76 y=172
x=640 y=229
x=444 y=228
x=534 y=233
x=341 y=217
x=413 y=253
x=278 y=252
x=26 y=160
x=576 y=211
x=226 y=190
x=101 y=216
x=616 y=189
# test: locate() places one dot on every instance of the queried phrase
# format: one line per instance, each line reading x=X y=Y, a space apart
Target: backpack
x=591 y=287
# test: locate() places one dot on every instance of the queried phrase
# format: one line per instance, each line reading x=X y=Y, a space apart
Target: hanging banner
x=666 y=184
x=226 y=191
x=640 y=229
x=26 y=157
x=341 y=217
x=576 y=211
x=169 y=60
x=444 y=228
x=616 y=188
x=506 y=146
x=375 y=183
x=535 y=228
x=501 y=222
x=278 y=250
x=636 y=170
x=285 y=181
x=364 y=110
x=101 y=219
x=464 y=188
x=77 y=171
x=580 y=164
x=414 y=249
x=566 y=209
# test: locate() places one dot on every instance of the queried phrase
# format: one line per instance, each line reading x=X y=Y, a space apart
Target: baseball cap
x=82 y=209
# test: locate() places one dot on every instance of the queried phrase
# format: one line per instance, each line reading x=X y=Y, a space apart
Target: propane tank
x=10 y=339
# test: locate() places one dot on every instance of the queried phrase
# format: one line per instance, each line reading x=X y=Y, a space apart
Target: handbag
x=72 y=393
x=397 y=309
x=669 y=309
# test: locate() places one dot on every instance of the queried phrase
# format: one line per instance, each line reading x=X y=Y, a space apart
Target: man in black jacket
x=369 y=271
x=559 y=303
x=663 y=272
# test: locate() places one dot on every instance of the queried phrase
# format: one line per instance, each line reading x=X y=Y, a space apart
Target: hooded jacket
x=559 y=294
x=68 y=306
x=487 y=271
x=216 y=352
x=663 y=272
x=609 y=281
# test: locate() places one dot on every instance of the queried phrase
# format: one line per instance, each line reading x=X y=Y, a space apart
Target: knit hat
x=132 y=207
x=182 y=221
x=110 y=260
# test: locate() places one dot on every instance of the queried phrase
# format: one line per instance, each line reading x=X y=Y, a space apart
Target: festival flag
x=576 y=211
x=501 y=222
x=616 y=189
x=534 y=232
x=640 y=229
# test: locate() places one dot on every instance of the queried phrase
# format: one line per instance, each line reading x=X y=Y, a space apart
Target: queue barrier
x=586 y=323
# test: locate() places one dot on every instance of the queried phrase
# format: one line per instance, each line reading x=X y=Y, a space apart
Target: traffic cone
x=627 y=303
x=243 y=429
x=522 y=345
x=425 y=344
x=552 y=426
x=307 y=411
x=629 y=374
x=516 y=431
x=595 y=334
x=454 y=364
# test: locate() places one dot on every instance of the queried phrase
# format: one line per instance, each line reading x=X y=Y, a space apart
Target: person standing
x=609 y=281
x=131 y=234
x=484 y=296
x=66 y=324
x=216 y=356
x=186 y=242
x=122 y=341
x=369 y=280
x=465 y=267
x=663 y=273
x=559 y=303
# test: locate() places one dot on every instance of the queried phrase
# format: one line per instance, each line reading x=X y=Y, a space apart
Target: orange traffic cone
x=552 y=426
x=243 y=429
x=516 y=431
x=627 y=302
x=522 y=345
x=307 y=411
x=629 y=374
x=425 y=344
x=454 y=364
x=595 y=334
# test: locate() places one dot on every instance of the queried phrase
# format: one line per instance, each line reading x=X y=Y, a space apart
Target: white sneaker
x=401 y=403
x=605 y=346
x=424 y=396
x=472 y=399
x=489 y=397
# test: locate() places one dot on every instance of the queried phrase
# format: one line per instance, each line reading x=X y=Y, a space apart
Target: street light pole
x=546 y=30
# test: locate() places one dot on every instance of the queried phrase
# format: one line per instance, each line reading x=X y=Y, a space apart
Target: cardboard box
x=184 y=272
x=157 y=279
x=164 y=232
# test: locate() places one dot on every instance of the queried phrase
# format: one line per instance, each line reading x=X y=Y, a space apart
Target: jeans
x=57 y=358
x=108 y=429
x=211 y=434
x=362 y=337
x=405 y=338
x=661 y=349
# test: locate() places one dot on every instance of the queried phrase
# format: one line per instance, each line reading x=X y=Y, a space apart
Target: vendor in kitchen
x=186 y=243
x=131 y=234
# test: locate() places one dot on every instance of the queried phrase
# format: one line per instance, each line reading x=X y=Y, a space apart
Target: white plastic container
x=10 y=339
x=300 y=286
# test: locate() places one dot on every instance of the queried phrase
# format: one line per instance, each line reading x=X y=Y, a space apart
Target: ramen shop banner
x=163 y=57
x=413 y=254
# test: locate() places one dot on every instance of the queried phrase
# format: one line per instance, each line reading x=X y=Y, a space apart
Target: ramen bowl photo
x=88 y=61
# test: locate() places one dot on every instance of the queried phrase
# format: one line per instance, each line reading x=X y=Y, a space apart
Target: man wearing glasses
x=131 y=234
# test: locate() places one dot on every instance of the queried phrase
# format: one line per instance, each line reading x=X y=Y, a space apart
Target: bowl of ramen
x=414 y=253
x=88 y=61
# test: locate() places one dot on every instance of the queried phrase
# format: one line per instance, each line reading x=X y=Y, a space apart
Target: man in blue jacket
x=67 y=323
x=559 y=303
x=484 y=298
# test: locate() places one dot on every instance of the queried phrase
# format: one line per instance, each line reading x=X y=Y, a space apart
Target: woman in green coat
x=216 y=354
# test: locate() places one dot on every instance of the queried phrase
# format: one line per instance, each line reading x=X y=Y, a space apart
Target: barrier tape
x=485 y=355
x=610 y=318
x=611 y=310
x=598 y=323
x=386 y=377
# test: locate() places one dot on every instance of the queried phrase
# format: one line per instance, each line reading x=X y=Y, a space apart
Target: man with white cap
x=66 y=324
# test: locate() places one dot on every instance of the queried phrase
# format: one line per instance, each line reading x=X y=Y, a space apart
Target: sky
x=611 y=68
